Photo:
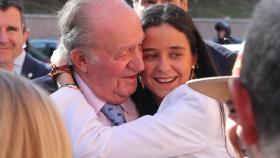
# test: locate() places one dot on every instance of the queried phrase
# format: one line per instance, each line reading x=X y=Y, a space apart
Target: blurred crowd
x=138 y=80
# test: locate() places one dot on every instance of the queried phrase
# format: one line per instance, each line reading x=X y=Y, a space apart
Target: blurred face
x=12 y=37
x=221 y=34
x=113 y=78
x=141 y=5
x=167 y=58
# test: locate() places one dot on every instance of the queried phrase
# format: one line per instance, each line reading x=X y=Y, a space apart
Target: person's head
x=104 y=38
x=256 y=93
x=140 y=5
x=29 y=124
x=12 y=34
x=223 y=29
x=172 y=48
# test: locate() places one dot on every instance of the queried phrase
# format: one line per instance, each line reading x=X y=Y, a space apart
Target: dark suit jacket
x=47 y=83
x=223 y=58
x=33 y=68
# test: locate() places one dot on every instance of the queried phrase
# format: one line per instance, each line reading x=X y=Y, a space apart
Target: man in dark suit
x=33 y=68
x=13 y=36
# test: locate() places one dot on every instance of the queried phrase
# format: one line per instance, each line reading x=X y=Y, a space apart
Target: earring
x=192 y=76
x=193 y=67
x=141 y=81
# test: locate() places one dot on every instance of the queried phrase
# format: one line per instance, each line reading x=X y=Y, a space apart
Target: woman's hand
x=60 y=58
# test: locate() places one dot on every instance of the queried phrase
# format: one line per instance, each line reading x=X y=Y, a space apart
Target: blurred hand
x=234 y=130
x=60 y=56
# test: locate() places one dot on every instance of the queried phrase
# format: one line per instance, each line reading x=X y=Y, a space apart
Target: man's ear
x=79 y=60
x=243 y=105
x=25 y=34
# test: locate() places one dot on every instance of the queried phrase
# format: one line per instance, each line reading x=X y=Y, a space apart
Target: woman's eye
x=176 y=55
x=149 y=57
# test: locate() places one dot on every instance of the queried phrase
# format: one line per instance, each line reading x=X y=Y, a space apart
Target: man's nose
x=3 y=37
x=137 y=63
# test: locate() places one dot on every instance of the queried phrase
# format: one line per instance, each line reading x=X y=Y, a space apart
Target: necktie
x=114 y=114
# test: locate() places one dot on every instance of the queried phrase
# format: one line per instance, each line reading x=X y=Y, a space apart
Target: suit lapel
x=27 y=68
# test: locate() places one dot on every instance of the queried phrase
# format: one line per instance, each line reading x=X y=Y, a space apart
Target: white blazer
x=187 y=124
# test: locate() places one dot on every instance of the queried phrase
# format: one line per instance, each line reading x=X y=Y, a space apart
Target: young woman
x=29 y=124
x=173 y=53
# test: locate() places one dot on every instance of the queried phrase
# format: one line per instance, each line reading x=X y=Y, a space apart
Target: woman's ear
x=79 y=60
x=194 y=60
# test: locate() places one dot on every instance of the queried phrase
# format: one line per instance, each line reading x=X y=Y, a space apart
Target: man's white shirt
x=18 y=63
x=187 y=124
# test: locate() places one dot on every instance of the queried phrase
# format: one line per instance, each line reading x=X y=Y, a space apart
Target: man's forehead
x=112 y=29
x=13 y=13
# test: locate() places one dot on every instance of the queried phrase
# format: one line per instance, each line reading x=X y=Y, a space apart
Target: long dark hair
x=180 y=20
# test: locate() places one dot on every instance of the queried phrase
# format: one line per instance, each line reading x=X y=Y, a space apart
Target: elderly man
x=106 y=57
x=13 y=36
x=223 y=58
x=105 y=63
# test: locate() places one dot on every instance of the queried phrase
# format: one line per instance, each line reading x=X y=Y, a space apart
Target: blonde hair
x=29 y=125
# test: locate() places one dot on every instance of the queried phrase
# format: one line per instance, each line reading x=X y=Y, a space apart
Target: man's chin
x=8 y=66
x=122 y=96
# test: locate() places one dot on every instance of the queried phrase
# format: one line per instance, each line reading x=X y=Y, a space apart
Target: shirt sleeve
x=176 y=129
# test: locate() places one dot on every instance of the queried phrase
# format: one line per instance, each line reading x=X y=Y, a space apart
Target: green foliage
x=222 y=8
x=43 y=6
x=197 y=8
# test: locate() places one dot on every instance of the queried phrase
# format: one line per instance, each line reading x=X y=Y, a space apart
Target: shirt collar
x=18 y=62
x=95 y=101
x=92 y=99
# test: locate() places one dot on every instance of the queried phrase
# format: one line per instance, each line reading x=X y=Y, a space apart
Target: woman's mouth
x=165 y=80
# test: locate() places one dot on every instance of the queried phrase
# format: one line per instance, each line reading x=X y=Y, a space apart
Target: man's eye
x=121 y=56
x=132 y=49
x=12 y=29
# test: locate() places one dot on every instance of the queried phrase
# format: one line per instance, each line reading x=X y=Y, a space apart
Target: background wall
x=42 y=26
x=45 y=26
